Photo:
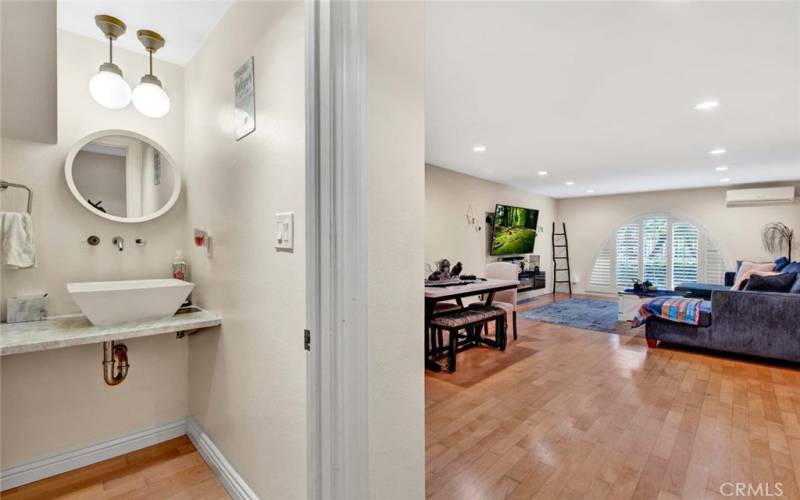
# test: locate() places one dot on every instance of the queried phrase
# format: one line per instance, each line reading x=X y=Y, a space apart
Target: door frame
x=336 y=242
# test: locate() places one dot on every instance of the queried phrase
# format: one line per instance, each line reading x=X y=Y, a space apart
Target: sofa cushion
x=792 y=267
x=748 y=268
x=780 y=263
x=796 y=286
x=700 y=290
x=780 y=283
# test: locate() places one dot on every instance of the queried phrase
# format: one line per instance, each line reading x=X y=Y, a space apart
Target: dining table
x=436 y=292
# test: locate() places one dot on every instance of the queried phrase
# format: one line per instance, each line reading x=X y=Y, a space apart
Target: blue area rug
x=588 y=314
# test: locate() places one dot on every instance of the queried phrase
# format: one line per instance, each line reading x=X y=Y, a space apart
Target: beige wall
x=248 y=379
x=449 y=194
x=736 y=230
x=57 y=399
x=29 y=83
x=396 y=156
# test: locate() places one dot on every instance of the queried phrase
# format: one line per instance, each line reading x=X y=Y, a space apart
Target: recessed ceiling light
x=590 y=191
x=721 y=168
x=706 y=105
x=479 y=149
x=570 y=183
x=718 y=151
x=724 y=179
x=542 y=172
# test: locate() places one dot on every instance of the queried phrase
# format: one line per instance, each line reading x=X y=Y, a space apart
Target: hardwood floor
x=594 y=415
x=173 y=469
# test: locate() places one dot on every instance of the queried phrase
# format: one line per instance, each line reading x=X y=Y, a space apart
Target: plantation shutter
x=685 y=241
x=627 y=255
x=601 y=271
x=665 y=250
x=655 y=247
x=714 y=265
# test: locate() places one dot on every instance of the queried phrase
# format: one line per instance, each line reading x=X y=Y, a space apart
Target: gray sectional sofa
x=757 y=323
x=704 y=290
x=761 y=324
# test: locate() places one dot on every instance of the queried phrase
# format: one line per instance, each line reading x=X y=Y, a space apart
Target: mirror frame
x=176 y=188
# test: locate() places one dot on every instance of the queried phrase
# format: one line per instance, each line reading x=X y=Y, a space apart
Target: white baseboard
x=230 y=479
x=18 y=475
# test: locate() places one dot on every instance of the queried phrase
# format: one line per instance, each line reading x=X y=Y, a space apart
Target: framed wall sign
x=244 y=113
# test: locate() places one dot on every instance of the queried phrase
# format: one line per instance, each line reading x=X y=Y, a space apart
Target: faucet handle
x=119 y=242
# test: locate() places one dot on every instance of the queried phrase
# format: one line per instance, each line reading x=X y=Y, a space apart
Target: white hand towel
x=19 y=250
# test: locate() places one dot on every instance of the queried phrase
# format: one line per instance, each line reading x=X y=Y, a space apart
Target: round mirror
x=122 y=176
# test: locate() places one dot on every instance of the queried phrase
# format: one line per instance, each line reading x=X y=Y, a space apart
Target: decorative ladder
x=561 y=256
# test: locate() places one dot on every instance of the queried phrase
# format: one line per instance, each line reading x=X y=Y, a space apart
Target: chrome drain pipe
x=115 y=362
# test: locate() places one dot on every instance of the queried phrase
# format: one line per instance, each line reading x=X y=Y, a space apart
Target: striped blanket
x=678 y=309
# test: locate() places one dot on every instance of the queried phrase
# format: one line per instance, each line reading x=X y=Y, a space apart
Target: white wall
x=396 y=157
x=736 y=230
x=449 y=194
x=247 y=379
x=56 y=400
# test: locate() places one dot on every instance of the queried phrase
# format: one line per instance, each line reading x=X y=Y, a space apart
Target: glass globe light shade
x=150 y=99
x=109 y=89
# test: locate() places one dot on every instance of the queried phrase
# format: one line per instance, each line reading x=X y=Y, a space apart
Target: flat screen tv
x=514 y=230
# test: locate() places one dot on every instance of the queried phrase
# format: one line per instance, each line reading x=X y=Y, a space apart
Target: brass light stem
x=111 y=28
x=151 y=41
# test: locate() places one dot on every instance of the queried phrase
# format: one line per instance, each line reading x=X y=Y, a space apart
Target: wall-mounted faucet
x=119 y=242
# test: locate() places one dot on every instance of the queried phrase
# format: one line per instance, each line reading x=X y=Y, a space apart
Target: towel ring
x=5 y=185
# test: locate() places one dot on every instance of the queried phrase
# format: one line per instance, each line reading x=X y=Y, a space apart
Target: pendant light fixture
x=149 y=97
x=108 y=87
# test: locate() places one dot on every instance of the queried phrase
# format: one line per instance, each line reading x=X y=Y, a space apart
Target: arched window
x=661 y=248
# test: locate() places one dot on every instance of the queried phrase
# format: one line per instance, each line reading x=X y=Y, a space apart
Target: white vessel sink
x=110 y=302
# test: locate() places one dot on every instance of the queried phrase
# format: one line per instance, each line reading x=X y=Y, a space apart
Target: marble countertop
x=56 y=333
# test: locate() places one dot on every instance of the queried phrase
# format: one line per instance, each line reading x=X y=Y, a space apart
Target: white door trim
x=336 y=232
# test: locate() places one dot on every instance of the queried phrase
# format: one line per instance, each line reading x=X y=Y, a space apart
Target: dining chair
x=506 y=299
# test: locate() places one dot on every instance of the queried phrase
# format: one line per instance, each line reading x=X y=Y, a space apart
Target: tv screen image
x=514 y=230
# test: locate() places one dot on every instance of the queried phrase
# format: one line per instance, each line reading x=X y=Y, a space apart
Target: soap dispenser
x=180 y=271
x=179 y=267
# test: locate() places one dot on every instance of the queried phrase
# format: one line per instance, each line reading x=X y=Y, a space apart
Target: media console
x=531 y=280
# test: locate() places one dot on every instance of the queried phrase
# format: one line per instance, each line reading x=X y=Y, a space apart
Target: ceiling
x=184 y=24
x=603 y=93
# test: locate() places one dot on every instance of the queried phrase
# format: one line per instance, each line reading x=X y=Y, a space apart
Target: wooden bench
x=471 y=321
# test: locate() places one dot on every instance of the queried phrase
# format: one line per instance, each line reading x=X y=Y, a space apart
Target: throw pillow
x=792 y=267
x=780 y=283
x=780 y=263
x=748 y=268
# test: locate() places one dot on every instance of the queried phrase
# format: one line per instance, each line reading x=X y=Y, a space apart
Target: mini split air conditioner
x=759 y=196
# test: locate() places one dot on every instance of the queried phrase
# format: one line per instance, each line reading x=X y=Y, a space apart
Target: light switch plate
x=284 y=231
